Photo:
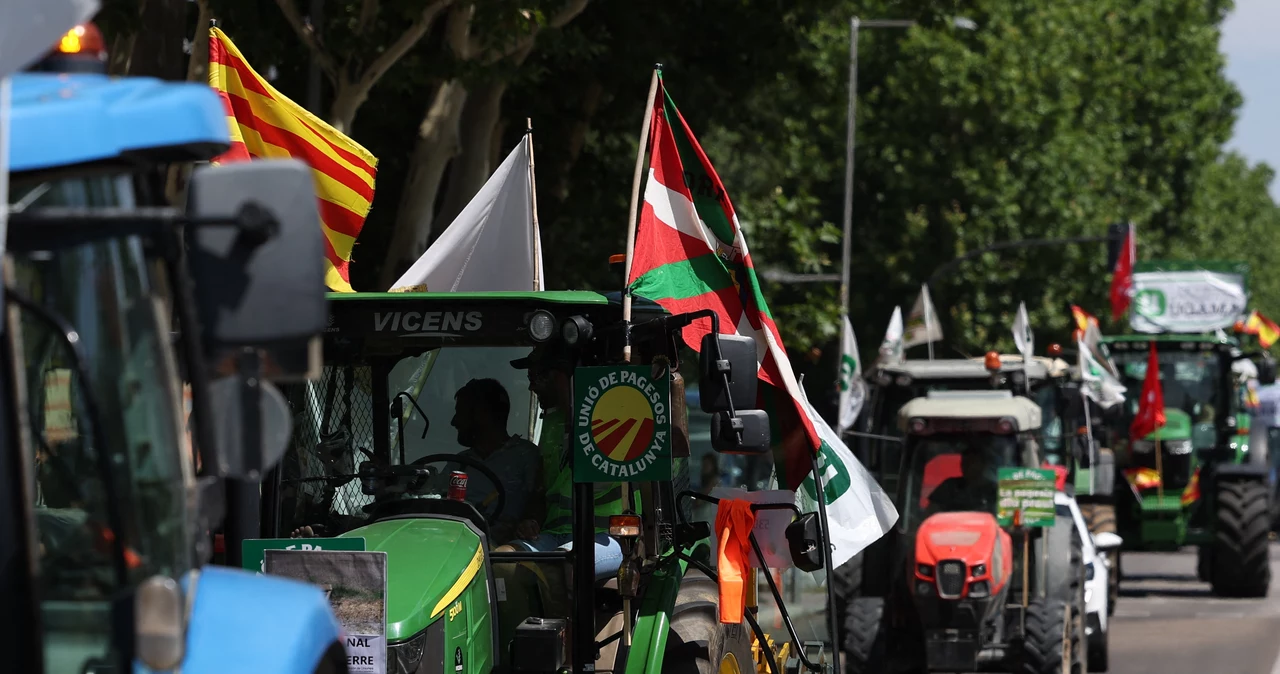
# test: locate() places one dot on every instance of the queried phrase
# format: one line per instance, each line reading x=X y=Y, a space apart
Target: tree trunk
x=347 y=99
x=473 y=165
x=578 y=134
x=438 y=142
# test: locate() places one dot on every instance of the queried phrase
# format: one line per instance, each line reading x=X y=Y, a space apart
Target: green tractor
x=443 y=432
x=1213 y=491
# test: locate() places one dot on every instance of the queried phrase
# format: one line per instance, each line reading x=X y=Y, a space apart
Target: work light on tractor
x=541 y=326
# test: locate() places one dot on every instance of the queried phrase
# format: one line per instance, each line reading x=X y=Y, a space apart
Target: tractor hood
x=1177 y=426
x=973 y=539
x=430 y=561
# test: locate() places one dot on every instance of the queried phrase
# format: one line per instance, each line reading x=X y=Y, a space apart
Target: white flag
x=1022 y=335
x=1100 y=385
x=922 y=322
x=853 y=390
x=492 y=244
x=858 y=510
x=30 y=28
x=891 y=347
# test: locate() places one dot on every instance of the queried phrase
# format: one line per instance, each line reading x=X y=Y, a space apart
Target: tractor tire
x=697 y=643
x=1204 y=563
x=1101 y=518
x=1046 y=641
x=864 y=636
x=1241 y=552
x=1079 y=653
x=333 y=660
x=847 y=580
x=1098 y=652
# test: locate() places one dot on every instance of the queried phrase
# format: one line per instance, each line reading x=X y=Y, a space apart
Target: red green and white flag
x=690 y=255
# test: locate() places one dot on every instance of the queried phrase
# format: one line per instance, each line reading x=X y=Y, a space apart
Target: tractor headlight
x=979 y=570
x=575 y=329
x=542 y=325
x=924 y=589
x=1143 y=446
x=1177 y=447
x=980 y=589
x=924 y=570
x=406 y=656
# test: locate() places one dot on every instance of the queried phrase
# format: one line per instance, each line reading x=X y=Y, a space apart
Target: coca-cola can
x=457 y=485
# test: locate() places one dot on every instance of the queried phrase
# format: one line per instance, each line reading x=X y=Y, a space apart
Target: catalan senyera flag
x=1266 y=329
x=266 y=124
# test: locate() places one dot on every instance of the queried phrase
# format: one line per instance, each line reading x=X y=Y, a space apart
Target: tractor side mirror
x=257 y=262
x=737 y=359
x=1107 y=541
x=745 y=433
x=804 y=540
x=240 y=459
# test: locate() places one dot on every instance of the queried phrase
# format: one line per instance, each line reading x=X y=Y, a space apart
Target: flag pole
x=632 y=215
x=533 y=208
x=928 y=322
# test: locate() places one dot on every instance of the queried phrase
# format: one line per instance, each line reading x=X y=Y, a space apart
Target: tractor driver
x=550 y=367
x=974 y=490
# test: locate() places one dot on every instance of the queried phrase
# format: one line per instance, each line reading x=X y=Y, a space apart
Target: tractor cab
x=530 y=491
x=973 y=586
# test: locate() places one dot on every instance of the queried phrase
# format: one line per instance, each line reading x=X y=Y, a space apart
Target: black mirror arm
x=755 y=507
x=72 y=339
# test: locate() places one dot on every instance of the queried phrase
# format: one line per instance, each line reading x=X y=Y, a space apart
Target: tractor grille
x=951 y=577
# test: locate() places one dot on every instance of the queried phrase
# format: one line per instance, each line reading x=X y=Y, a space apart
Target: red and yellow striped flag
x=1143 y=478
x=1082 y=320
x=1266 y=329
x=266 y=124
x=1192 y=492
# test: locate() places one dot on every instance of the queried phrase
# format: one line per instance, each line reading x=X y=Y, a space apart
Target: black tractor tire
x=334 y=660
x=864 y=636
x=1079 y=653
x=697 y=642
x=1098 y=652
x=1046 y=640
x=847 y=581
x=1204 y=563
x=1241 y=551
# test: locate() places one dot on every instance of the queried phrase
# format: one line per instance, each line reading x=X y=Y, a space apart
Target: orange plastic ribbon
x=734 y=521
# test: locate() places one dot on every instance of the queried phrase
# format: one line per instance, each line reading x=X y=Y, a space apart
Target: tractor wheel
x=333 y=660
x=864 y=636
x=1204 y=563
x=1046 y=640
x=848 y=584
x=698 y=643
x=1241 y=556
x=1113 y=583
x=1079 y=655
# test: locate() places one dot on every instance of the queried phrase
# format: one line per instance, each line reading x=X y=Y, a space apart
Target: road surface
x=1167 y=622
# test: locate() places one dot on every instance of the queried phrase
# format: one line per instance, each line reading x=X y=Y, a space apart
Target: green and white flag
x=1022 y=335
x=922 y=322
x=1100 y=385
x=891 y=347
x=858 y=510
x=853 y=390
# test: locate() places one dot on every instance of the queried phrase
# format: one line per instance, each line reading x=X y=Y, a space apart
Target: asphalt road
x=1167 y=622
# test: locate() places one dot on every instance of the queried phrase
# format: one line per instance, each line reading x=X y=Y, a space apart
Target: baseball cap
x=549 y=354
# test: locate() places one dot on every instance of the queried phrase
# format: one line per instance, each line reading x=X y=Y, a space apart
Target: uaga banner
x=1186 y=301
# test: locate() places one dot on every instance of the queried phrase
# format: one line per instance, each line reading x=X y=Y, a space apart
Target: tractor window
x=954 y=472
x=366 y=435
x=128 y=481
x=1189 y=381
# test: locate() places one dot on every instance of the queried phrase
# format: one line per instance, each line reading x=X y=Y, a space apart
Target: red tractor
x=963 y=592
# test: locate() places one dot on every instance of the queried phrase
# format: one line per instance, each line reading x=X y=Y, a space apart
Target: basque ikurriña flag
x=264 y=123
x=690 y=254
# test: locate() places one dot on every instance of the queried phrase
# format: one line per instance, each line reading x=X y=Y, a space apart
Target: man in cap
x=550 y=367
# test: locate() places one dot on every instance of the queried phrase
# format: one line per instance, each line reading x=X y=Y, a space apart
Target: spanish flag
x=1143 y=478
x=1192 y=493
x=1266 y=329
x=266 y=124
x=1082 y=319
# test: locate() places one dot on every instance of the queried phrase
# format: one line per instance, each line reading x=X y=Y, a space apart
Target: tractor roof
x=973 y=368
x=61 y=120
x=973 y=405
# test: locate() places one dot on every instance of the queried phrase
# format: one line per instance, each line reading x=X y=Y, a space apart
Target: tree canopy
x=1046 y=119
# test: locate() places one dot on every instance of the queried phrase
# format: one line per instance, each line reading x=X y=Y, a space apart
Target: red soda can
x=457 y=485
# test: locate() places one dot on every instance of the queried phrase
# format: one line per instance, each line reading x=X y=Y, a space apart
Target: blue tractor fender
x=246 y=622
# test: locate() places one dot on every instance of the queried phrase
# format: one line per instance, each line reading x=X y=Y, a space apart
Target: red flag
x=1151 y=406
x=1122 y=276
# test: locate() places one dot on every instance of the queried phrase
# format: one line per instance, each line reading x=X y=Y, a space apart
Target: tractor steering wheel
x=479 y=465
